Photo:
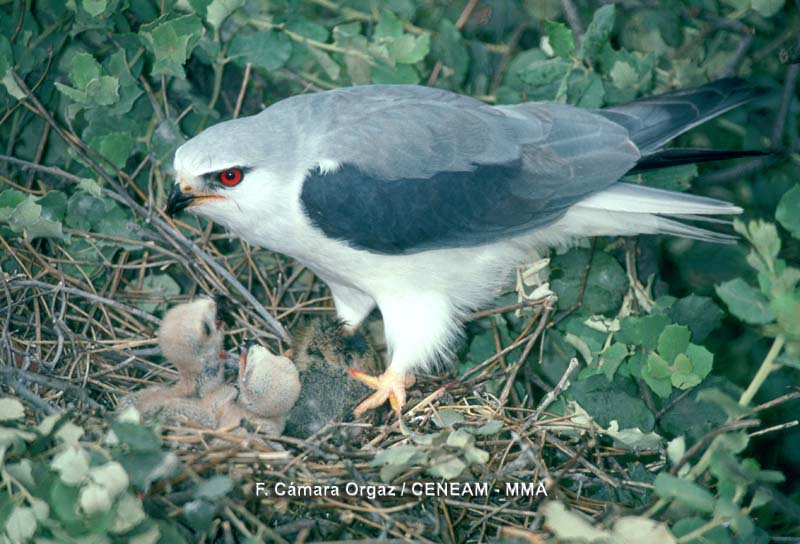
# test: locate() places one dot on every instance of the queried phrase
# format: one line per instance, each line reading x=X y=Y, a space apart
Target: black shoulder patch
x=449 y=209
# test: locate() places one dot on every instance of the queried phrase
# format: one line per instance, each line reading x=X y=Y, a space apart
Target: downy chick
x=268 y=388
x=190 y=338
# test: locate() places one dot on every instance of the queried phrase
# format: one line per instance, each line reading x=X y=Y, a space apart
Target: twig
x=88 y=296
x=553 y=394
x=774 y=428
x=574 y=20
x=738 y=55
x=462 y=20
x=544 y=314
x=242 y=90
x=786 y=99
x=775 y=402
x=13 y=373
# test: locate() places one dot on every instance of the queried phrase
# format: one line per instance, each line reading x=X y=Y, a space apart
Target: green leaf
x=94 y=499
x=685 y=492
x=447 y=418
x=643 y=331
x=730 y=406
x=83 y=70
x=267 y=49
x=400 y=74
x=700 y=314
x=448 y=47
x=543 y=72
x=136 y=437
x=6 y=56
x=476 y=456
x=171 y=40
x=658 y=367
x=21 y=524
x=586 y=89
x=72 y=465
x=144 y=468
x=214 y=488
x=199 y=514
x=702 y=360
x=786 y=308
x=676 y=178
x=84 y=211
x=166 y=139
x=630 y=529
x=683 y=364
x=129 y=89
x=409 y=49
x=613 y=401
x=560 y=37
x=94 y=8
x=219 y=10
x=11 y=409
x=672 y=341
x=27 y=217
x=389 y=25
x=657 y=375
x=129 y=514
x=604 y=289
x=611 y=358
x=158 y=286
x=598 y=31
x=684 y=380
x=788 y=211
x=767 y=8
x=745 y=302
x=624 y=76
x=460 y=438
x=447 y=466
x=111 y=476
x=492 y=426
x=403 y=454
x=763 y=235
x=570 y=526
x=115 y=146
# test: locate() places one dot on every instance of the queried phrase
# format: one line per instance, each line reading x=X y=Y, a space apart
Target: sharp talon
x=389 y=386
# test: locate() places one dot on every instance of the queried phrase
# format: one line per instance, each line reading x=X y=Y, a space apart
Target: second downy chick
x=269 y=385
x=324 y=355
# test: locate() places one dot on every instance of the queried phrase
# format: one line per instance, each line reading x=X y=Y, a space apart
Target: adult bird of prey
x=420 y=201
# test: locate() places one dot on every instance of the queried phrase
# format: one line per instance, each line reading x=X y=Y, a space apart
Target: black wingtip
x=666 y=158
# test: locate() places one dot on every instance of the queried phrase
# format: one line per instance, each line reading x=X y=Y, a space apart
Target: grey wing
x=425 y=169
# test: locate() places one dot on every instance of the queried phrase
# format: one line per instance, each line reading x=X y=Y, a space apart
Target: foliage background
x=97 y=94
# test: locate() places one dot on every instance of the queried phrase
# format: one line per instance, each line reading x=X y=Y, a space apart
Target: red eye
x=231 y=177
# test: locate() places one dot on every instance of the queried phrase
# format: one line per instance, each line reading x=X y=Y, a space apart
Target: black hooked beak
x=178 y=200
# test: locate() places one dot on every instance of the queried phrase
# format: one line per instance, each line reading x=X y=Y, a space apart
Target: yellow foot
x=390 y=385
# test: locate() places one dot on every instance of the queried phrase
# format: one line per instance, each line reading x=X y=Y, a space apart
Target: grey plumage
x=488 y=172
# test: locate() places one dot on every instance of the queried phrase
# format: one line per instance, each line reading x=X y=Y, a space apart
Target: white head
x=244 y=173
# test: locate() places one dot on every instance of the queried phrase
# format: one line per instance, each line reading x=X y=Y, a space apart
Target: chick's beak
x=244 y=350
x=178 y=200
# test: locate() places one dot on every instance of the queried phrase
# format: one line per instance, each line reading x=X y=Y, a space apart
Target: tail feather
x=652 y=122
x=656 y=211
x=627 y=197
x=682 y=230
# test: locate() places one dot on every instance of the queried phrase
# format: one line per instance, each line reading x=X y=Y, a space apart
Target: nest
x=74 y=344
